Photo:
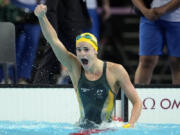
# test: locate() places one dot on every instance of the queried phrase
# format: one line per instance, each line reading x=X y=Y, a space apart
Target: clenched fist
x=40 y=10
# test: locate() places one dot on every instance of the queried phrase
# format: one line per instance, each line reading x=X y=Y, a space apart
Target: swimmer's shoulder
x=117 y=71
x=114 y=73
x=114 y=67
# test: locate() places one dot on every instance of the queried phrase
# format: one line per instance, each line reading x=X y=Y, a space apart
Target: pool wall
x=59 y=104
x=38 y=104
x=160 y=105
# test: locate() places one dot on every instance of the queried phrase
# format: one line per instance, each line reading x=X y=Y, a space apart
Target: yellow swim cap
x=89 y=38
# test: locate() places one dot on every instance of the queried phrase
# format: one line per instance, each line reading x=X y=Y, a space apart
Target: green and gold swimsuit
x=96 y=99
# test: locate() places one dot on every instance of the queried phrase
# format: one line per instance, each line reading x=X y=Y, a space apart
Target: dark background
x=120 y=42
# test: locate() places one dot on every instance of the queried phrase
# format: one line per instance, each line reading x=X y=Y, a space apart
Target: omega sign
x=164 y=103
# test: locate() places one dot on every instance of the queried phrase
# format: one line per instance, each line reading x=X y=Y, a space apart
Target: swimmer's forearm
x=136 y=111
x=57 y=46
x=47 y=29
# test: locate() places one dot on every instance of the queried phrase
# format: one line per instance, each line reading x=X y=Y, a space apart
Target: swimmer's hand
x=127 y=125
x=40 y=10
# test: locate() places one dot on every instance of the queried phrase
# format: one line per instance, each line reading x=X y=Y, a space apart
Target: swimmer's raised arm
x=64 y=56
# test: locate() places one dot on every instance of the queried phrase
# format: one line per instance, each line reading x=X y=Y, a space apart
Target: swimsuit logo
x=99 y=92
x=85 y=89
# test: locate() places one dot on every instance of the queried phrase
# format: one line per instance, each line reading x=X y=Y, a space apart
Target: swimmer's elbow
x=139 y=104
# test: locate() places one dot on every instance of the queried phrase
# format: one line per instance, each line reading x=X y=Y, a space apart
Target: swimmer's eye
x=86 y=49
x=78 y=49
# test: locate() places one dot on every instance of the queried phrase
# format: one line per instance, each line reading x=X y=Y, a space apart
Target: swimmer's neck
x=96 y=67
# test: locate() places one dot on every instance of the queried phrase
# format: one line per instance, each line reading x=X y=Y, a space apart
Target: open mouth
x=84 y=61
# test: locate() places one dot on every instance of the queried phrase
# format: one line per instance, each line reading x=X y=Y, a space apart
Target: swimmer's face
x=86 y=54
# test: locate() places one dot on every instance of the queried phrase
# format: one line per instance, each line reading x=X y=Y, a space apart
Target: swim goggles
x=89 y=38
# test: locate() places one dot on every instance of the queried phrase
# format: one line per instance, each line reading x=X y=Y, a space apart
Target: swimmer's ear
x=96 y=52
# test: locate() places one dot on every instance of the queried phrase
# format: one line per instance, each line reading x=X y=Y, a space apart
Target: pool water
x=48 y=128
